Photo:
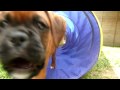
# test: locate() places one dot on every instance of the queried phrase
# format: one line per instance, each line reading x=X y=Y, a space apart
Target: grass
x=107 y=67
x=99 y=69
x=113 y=55
x=3 y=73
x=104 y=68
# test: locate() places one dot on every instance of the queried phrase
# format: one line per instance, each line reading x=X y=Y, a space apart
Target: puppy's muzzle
x=18 y=38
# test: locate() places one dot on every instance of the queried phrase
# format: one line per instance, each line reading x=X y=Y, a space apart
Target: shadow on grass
x=101 y=70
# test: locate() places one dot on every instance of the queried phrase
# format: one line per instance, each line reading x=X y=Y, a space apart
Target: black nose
x=18 y=38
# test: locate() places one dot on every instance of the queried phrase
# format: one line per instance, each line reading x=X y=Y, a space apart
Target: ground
x=107 y=67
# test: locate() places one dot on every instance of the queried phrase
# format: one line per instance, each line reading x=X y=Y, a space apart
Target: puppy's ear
x=58 y=27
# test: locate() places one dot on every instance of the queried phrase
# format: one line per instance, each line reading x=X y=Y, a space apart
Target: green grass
x=97 y=71
x=3 y=73
x=113 y=55
x=104 y=68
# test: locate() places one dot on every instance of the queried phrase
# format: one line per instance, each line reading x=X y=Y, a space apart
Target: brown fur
x=50 y=39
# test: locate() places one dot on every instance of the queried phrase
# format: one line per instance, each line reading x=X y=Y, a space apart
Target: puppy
x=27 y=40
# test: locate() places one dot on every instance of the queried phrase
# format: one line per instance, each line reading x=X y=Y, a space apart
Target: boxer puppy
x=27 y=40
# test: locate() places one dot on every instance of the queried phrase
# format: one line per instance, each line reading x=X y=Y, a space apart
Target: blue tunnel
x=82 y=48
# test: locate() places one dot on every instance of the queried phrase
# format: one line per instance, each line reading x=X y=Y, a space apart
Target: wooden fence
x=110 y=22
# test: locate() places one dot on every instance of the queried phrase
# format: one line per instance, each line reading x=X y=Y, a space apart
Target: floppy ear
x=58 y=28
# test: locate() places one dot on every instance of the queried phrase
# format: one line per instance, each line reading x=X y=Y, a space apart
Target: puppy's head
x=27 y=38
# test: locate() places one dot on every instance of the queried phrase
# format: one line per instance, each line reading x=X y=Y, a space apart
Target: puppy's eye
x=4 y=23
x=40 y=25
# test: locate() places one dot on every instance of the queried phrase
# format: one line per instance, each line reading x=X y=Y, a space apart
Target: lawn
x=107 y=67
x=3 y=73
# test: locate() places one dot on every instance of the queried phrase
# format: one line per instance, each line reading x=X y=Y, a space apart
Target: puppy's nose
x=18 y=38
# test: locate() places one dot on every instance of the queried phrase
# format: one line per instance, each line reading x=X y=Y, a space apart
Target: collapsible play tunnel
x=82 y=48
